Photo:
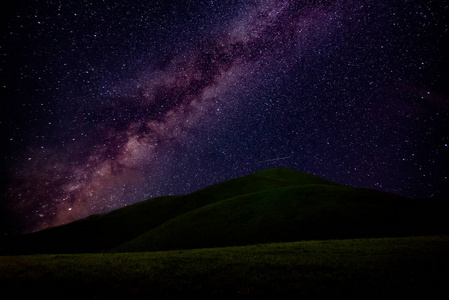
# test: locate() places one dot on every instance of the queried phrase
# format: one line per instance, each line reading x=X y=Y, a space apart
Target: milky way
x=175 y=97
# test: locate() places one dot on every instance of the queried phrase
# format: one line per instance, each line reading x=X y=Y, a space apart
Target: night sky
x=107 y=103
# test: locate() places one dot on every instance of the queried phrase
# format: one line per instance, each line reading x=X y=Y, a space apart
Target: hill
x=273 y=205
x=312 y=211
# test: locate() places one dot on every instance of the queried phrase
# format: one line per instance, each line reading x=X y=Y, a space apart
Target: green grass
x=353 y=268
x=274 y=205
x=293 y=213
x=99 y=233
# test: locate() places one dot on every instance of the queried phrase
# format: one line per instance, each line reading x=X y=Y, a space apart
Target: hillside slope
x=104 y=231
x=312 y=211
x=268 y=206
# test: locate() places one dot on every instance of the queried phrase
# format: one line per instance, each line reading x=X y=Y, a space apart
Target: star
x=108 y=104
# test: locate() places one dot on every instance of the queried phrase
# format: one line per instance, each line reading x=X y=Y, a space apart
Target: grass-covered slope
x=273 y=205
x=102 y=232
x=311 y=211
x=98 y=232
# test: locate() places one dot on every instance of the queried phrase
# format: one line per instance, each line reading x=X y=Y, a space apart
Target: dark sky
x=107 y=103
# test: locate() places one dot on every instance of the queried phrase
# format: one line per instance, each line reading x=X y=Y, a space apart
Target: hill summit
x=273 y=205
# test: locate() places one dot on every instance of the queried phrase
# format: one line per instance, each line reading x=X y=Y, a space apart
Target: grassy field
x=330 y=269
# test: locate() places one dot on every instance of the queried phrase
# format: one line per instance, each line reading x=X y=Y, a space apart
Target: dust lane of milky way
x=138 y=131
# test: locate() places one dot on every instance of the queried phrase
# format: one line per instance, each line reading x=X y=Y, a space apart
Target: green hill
x=295 y=213
x=102 y=232
x=273 y=205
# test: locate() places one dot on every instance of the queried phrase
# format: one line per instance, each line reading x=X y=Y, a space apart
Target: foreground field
x=357 y=268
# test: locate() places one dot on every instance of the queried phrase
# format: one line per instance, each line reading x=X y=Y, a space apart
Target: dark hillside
x=104 y=231
x=288 y=214
x=273 y=205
